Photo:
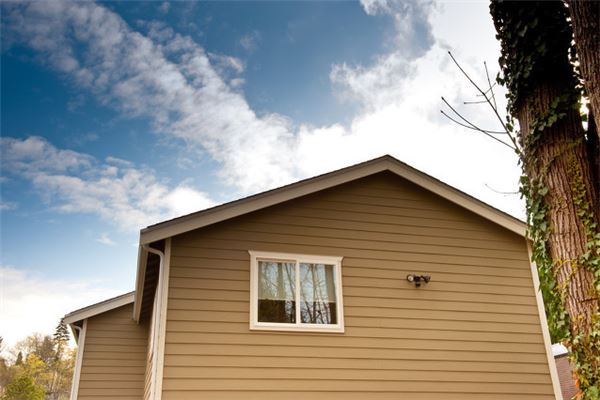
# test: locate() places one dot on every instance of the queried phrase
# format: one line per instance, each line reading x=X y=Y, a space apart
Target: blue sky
x=117 y=115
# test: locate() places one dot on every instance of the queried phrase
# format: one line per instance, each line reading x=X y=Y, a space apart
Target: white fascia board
x=99 y=308
x=78 y=361
x=544 y=325
x=139 y=282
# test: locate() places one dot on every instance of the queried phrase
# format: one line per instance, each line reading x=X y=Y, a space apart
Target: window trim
x=256 y=256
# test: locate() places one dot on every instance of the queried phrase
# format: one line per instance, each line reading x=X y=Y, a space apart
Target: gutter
x=143 y=251
x=155 y=330
x=79 y=358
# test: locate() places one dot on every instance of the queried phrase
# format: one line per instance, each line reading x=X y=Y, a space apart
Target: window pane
x=276 y=294
x=317 y=294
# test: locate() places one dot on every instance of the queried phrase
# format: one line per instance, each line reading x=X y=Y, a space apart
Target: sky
x=117 y=115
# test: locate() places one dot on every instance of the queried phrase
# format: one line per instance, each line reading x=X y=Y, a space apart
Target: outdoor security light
x=417 y=279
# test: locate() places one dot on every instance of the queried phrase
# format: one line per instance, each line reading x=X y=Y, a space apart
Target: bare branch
x=507 y=131
x=474 y=127
x=490 y=89
x=487 y=74
x=475 y=102
x=501 y=192
x=477 y=129
x=469 y=122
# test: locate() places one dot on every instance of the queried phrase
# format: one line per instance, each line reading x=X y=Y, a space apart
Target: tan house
x=376 y=281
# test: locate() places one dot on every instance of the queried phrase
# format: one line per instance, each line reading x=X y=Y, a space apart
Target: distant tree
x=62 y=364
x=61 y=337
x=23 y=388
x=42 y=363
x=40 y=345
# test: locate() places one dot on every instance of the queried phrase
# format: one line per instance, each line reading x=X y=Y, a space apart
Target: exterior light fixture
x=418 y=279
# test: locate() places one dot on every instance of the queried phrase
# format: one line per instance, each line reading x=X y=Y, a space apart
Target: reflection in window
x=317 y=294
x=276 y=292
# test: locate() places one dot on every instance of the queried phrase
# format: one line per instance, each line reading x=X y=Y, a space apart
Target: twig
x=512 y=139
x=474 y=102
x=467 y=121
x=501 y=192
x=490 y=85
x=474 y=127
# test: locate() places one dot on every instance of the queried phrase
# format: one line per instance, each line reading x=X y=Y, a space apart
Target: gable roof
x=99 y=308
x=304 y=187
x=186 y=223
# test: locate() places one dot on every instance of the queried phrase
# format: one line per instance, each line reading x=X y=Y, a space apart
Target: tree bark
x=562 y=156
x=593 y=149
x=585 y=19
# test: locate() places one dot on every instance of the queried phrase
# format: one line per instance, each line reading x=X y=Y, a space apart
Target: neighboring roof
x=99 y=308
x=559 y=350
x=269 y=198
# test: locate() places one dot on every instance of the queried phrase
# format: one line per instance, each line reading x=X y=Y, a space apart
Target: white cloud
x=8 y=205
x=36 y=154
x=384 y=81
x=30 y=303
x=224 y=64
x=106 y=240
x=173 y=81
x=116 y=190
x=170 y=81
x=250 y=41
x=164 y=7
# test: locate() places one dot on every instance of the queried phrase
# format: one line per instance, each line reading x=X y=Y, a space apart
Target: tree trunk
x=593 y=149
x=562 y=156
x=535 y=40
x=585 y=18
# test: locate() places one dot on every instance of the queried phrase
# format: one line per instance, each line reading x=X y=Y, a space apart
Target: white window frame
x=256 y=256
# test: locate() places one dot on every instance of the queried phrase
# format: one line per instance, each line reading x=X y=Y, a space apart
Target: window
x=295 y=292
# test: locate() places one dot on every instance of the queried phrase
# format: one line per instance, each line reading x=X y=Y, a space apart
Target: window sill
x=295 y=328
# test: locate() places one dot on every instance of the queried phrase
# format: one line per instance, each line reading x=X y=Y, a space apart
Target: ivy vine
x=536 y=43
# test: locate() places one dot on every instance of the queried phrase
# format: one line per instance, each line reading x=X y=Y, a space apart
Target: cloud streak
x=384 y=81
x=114 y=189
x=169 y=79
x=189 y=95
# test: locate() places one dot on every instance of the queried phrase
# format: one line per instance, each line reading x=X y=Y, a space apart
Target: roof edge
x=99 y=308
x=304 y=187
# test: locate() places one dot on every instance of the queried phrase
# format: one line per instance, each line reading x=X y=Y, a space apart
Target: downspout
x=79 y=358
x=156 y=328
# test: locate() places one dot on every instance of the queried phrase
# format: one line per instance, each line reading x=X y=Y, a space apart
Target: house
x=376 y=281
x=565 y=371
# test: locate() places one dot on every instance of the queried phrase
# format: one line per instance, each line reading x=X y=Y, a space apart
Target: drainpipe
x=79 y=358
x=156 y=328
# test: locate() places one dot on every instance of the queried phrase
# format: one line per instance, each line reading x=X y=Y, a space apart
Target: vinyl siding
x=472 y=333
x=148 y=373
x=114 y=357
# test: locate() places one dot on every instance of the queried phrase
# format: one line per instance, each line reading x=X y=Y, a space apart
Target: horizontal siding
x=472 y=333
x=342 y=393
x=114 y=357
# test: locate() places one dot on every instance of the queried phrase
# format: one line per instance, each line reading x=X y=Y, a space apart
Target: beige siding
x=472 y=333
x=148 y=374
x=114 y=357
